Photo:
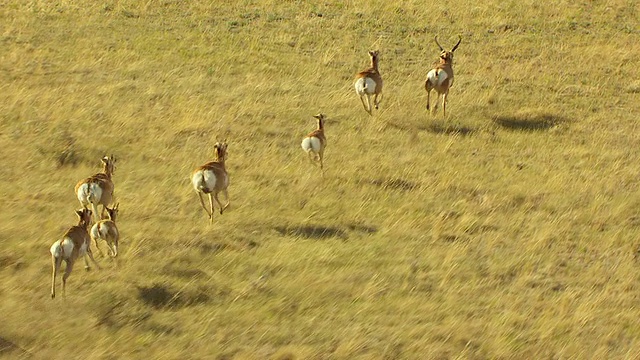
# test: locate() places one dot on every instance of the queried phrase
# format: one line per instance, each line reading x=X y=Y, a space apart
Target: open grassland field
x=508 y=230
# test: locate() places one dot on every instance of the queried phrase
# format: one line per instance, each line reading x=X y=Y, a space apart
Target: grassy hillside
x=508 y=230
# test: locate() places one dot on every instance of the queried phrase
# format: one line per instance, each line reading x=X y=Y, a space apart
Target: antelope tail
x=202 y=185
x=62 y=248
x=90 y=195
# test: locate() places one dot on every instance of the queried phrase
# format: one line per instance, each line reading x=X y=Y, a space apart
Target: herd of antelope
x=76 y=242
x=212 y=178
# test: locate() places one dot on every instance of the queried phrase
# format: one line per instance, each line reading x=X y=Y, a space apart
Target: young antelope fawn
x=97 y=189
x=75 y=243
x=314 y=143
x=440 y=78
x=107 y=230
x=369 y=82
x=212 y=178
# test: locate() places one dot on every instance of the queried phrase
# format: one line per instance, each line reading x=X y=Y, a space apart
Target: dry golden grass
x=508 y=230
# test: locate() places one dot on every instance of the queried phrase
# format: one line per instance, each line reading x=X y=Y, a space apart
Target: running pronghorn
x=97 y=189
x=440 y=78
x=107 y=230
x=314 y=143
x=369 y=82
x=75 y=243
x=212 y=178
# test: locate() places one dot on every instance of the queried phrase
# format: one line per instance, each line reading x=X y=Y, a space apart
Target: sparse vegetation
x=508 y=230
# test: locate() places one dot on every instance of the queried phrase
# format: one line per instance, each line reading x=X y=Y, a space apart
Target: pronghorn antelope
x=74 y=244
x=107 y=230
x=97 y=189
x=369 y=82
x=212 y=178
x=314 y=143
x=440 y=78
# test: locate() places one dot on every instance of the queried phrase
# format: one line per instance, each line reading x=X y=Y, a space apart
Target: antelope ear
x=80 y=212
x=105 y=159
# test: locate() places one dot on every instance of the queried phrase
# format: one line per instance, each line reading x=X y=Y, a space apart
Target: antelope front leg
x=226 y=195
x=376 y=102
x=113 y=249
x=67 y=272
x=366 y=108
x=444 y=104
x=98 y=247
x=311 y=156
x=211 y=205
x=96 y=216
x=435 y=104
x=89 y=254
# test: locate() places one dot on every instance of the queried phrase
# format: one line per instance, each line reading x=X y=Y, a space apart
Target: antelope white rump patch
x=437 y=76
x=311 y=143
x=365 y=85
x=89 y=192
x=66 y=248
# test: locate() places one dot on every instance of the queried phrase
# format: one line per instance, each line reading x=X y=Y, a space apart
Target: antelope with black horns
x=440 y=78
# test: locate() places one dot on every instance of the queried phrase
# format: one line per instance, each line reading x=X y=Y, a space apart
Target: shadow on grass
x=7 y=347
x=436 y=128
x=312 y=231
x=447 y=129
x=529 y=121
x=160 y=296
x=11 y=262
x=363 y=228
x=394 y=183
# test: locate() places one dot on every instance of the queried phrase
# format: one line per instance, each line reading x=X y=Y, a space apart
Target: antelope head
x=374 y=58
x=85 y=216
x=113 y=212
x=220 y=150
x=109 y=163
x=320 y=118
x=446 y=57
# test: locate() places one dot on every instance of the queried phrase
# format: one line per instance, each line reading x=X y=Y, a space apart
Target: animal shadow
x=394 y=183
x=528 y=122
x=160 y=296
x=448 y=129
x=312 y=231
